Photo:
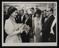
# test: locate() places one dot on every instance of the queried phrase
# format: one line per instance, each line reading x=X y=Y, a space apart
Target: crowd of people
x=32 y=25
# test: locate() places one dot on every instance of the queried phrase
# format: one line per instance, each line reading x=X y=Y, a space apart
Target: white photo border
x=29 y=44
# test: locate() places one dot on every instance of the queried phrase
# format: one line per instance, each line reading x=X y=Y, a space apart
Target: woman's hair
x=37 y=12
x=51 y=10
x=10 y=10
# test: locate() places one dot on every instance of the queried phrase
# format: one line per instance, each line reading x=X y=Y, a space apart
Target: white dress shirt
x=54 y=22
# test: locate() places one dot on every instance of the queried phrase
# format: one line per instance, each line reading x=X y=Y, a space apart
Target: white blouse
x=10 y=28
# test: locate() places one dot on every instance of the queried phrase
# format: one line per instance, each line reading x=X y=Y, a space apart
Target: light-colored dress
x=10 y=28
x=37 y=29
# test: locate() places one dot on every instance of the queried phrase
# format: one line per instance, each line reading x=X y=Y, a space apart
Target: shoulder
x=7 y=22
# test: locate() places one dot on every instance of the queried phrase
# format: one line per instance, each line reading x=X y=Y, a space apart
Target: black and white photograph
x=29 y=23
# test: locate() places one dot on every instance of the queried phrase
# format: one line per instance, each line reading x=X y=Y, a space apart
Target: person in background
x=31 y=15
x=12 y=28
x=26 y=34
x=43 y=16
x=53 y=31
x=46 y=28
x=29 y=23
x=20 y=17
x=32 y=12
x=23 y=18
x=32 y=9
x=37 y=26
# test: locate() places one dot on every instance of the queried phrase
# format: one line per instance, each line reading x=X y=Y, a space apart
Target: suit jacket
x=24 y=18
x=18 y=19
x=26 y=37
x=46 y=28
x=29 y=22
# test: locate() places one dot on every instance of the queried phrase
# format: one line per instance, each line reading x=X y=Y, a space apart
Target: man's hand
x=26 y=28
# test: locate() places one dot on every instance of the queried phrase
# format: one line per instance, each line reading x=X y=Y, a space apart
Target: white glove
x=52 y=31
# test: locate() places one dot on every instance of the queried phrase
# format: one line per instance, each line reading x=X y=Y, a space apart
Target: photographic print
x=29 y=23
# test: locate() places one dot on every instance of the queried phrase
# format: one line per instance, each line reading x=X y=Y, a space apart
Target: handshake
x=26 y=28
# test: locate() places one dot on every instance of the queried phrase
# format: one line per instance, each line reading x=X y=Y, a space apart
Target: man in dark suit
x=46 y=28
x=26 y=37
x=20 y=17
